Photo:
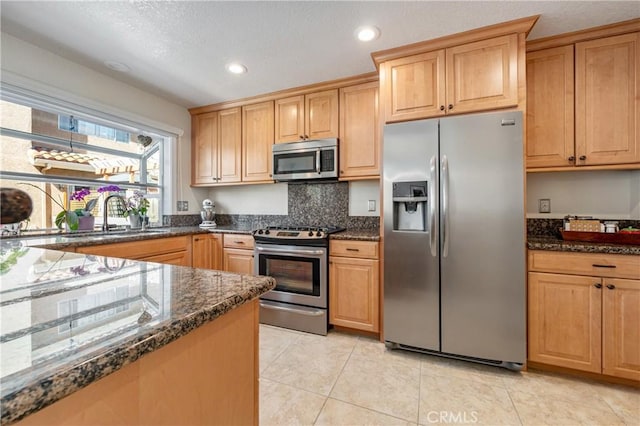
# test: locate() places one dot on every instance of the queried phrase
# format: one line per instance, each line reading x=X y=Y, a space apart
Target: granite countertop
x=556 y=244
x=69 y=319
x=357 y=234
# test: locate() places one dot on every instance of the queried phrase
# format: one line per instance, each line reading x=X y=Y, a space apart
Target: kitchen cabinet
x=171 y=250
x=476 y=76
x=238 y=253
x=217 y=147
x=257 y=139
x=354 y=285
x=582 y=100
x=582 y=315
x=207 y=251
x=359 y=132
x=310 y=116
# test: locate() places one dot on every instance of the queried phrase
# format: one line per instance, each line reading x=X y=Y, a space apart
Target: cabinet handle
x=598 y=285
x=572 y=159
x=595 y=265
x=301 y=137
x=306 y=137
x=441 y=107
x=611 y=286
x=239 y=242
x=450 y=106
x=352 y=249
x=583 y=157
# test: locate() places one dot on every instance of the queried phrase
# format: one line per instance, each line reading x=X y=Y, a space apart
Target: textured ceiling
x=179 y=49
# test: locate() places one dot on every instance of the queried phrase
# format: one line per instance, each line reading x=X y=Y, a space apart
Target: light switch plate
x=544 y=205
x=372 y=205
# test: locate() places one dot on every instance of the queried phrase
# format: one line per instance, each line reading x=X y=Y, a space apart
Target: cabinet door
x=238 y=261
x=257 y=140
x=565 y=320
x=621 y=328
x=207 y=251
x=483 y=75
x=550 y=138
x=359 y=131
x=414 y=87
x=321 y=115
x=229 y=143
x=289 y=119
x=205 y=148
x=353 y=293
x=607 y=93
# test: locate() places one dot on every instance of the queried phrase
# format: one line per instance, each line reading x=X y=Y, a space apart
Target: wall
x=30 y=67
x=602 y=194
x=272 y=199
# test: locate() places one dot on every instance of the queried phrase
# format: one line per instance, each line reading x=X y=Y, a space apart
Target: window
x=61 y=148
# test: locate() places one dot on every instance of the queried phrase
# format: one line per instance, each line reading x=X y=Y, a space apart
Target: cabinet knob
x=597 y=285
x=441 y=107
x=301 y=137
x=306 y=137
x=611 y=286
x=572 y=158
x=450 y=106
x=341 y=172
x=583 y=157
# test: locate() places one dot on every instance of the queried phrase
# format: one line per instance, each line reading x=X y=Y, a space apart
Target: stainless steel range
x=297 y=257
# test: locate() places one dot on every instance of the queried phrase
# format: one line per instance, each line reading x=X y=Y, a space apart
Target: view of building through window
x=53 y=154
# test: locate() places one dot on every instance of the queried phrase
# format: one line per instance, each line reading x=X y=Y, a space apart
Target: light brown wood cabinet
x=257 y=140
x=583 y=317
x=238 y=253
x=310 y=116
x=582 y=102
x=207 y=251
x=476 y=76
x=217 y=147
x=170 y=250
x=354 y=285
x=359 y=132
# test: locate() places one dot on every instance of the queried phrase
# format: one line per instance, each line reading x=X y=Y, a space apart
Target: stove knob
x=311 y=233
x=319 y=234
x=260 y=231
x=266 y=232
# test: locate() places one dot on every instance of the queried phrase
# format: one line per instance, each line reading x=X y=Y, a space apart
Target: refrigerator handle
x=445 y=205
x=433 y=231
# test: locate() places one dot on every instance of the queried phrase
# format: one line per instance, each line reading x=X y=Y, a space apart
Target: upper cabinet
x=359 y=132
x=257 y=140
x=310 y=116
x=582 y=100
x=473 y=71
x=216 y=147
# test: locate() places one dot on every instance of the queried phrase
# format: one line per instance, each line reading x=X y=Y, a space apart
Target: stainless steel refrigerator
x=454 y=230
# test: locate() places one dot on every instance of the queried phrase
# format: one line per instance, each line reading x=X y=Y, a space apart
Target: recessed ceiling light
x=367 y=33
x=117 y=66
x=236 y=68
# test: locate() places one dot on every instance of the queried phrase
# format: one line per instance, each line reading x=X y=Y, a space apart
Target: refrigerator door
x=482 y=236
x=411 y=275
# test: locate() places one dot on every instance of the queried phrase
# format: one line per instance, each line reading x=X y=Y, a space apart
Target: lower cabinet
x=354 y=285
x=587 y=319
x=238 y=253
x=171 y=250
x=207 y=251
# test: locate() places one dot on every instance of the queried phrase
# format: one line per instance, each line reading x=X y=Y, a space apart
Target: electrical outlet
x=544 y=205
x=182 y=206
x=371 y=205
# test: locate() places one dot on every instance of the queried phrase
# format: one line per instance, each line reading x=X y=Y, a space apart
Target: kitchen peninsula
x=89 y=339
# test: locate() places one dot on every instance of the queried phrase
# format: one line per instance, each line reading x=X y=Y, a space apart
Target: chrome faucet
x=105 y=223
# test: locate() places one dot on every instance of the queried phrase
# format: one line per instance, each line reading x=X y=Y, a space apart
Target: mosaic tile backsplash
x=318 y=204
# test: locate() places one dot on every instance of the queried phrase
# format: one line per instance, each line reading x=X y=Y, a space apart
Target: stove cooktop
x=295 y=232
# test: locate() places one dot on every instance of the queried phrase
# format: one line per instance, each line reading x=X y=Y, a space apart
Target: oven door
x=300 y=273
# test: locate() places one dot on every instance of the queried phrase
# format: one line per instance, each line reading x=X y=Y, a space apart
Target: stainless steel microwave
x=306 y=160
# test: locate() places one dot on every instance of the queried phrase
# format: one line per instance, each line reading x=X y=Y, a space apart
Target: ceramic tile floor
x=342 y=379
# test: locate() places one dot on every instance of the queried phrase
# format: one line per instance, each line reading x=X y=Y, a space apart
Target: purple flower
x=109 y=188
x=79 y=195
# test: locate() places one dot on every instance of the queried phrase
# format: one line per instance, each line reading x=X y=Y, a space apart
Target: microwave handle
x=318 y=161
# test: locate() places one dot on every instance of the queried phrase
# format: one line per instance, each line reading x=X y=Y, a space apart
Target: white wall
x=602 y=194
x=25 y=65
x=360 y=192
x=251 y=199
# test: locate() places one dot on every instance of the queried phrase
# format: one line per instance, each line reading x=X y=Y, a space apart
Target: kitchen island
x=90 y=339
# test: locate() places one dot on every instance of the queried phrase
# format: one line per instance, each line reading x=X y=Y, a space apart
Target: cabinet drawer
x=592 y=264
x=365 y=249
x=240 y=241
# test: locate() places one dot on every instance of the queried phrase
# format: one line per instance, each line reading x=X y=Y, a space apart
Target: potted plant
x=137 y=207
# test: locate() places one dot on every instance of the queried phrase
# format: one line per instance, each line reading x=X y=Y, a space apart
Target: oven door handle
x=307 y=312
x=296 y=252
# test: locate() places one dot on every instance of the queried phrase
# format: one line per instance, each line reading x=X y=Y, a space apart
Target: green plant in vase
x=137 y=206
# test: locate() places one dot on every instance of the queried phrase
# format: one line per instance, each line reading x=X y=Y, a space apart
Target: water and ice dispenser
x=410 y=206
